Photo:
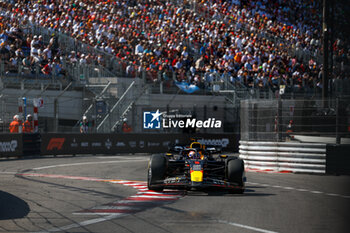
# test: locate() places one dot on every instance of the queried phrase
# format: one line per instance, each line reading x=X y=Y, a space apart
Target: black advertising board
x=338 y=159
x=31 y=144
x=98 y=144
x=10 y=145
x=127 y=143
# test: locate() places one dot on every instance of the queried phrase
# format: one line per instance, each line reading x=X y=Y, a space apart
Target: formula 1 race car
x=196 y=168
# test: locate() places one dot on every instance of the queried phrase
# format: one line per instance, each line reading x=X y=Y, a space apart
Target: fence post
x=55 y=114
x=143 y=73
x=37 y=71
x=279 y=121
x=337 y=134
x=2 y=68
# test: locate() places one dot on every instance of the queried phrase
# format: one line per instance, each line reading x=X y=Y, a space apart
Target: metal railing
x=128 y=107
x=113 y=116
x=29 y=75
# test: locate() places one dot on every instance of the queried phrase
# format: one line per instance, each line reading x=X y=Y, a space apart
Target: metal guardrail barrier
x=284 y=156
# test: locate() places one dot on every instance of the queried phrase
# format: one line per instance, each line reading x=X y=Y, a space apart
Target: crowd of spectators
x=214 y=39
x=25 y=53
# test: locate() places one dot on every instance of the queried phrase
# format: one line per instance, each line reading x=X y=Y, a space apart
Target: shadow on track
x=72 y=188
x=12 y=207
x=248 y=193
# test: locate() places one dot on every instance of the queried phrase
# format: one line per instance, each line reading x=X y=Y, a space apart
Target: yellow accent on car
x=197 y=176
x=196 y=145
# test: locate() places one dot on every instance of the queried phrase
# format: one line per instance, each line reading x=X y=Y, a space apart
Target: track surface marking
x=143 y=200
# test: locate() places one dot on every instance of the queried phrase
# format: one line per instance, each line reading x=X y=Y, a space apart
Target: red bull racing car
x=196 y=168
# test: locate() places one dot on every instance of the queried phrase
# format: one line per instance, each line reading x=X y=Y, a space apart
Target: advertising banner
x=128 y=143
x=10 y=145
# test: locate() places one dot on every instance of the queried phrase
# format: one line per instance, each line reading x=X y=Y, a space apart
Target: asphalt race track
x=108 y=194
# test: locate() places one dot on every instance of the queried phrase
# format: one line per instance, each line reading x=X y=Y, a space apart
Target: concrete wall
x=72 y=104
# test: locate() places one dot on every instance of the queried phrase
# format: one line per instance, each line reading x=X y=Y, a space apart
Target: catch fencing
x=281 y=119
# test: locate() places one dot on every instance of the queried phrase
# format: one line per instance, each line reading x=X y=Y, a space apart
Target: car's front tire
x=156 y=171
x=235 y=174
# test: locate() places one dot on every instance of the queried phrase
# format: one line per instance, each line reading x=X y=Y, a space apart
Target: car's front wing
x=183 y=182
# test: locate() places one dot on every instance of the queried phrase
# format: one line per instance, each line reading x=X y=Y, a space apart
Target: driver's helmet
x=192 y=154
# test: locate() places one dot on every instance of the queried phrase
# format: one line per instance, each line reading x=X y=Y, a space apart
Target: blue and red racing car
x=196 y=168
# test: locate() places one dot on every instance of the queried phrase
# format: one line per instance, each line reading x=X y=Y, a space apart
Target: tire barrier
x=284 y=156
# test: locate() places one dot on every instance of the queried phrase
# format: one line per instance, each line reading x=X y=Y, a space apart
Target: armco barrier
x=284 y=156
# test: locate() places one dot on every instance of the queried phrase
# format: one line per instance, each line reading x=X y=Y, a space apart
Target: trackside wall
x=68 y=144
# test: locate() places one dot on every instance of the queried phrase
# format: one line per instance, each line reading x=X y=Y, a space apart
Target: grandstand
x=129 y=56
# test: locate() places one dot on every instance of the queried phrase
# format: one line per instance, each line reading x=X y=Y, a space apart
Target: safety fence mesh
x=280 y=119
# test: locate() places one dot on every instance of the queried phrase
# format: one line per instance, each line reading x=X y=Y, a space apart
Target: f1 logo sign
x=55 y=143
x=151 y=120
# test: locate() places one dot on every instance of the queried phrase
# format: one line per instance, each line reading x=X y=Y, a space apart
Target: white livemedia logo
x=158 y=120
x=8 y=146
x=191 y=123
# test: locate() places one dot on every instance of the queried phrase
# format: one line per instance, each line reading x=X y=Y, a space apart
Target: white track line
x=246 y=227
x=154 y=197
x=300 y=190
x=118 y=157
x=108 y=209
x=88 y=163
x=84 y=223
x=11 y=173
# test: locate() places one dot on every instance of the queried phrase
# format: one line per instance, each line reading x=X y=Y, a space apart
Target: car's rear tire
x=235 y=174
x=156 y=171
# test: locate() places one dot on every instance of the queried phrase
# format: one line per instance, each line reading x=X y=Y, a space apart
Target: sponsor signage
x=55 y=144
x=11 y=144
x=60 y=144
x=108 y=144
x=128 y=143
x=120 y=144
x=101 y=107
